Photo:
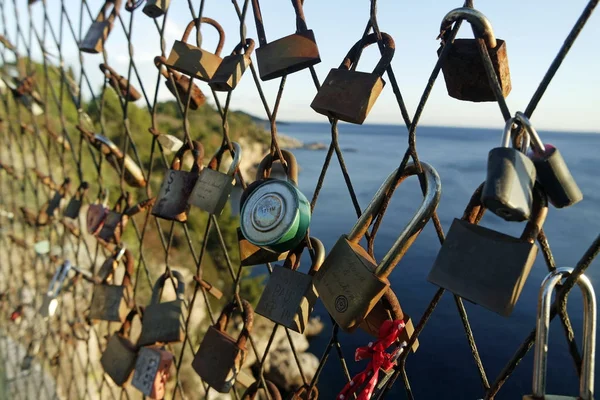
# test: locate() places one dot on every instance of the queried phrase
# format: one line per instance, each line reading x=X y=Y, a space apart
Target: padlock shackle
x=482 y=28
x=58 y=279
x=215 y=161
x=132 y=5
x=109 y=72
x=540 y=363
x=247 y=315
x=129 y=262
x=248 y=45
x=507 y=135
x=81 y=191
x=316 y=260
x=414 y=226
x=196 y=23
x=197 y=153
x=252 y=390
x=64 y=187
x=113 y=14
x=267 y=162
x=125 y=329
x=384 y=61
x=161 y=63
x=537 y=144
x=260 y=27
x=160 y=283
x=301 y=393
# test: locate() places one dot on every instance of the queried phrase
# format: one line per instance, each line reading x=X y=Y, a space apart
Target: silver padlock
x=213 y=188
x=540 y=362
x=50 y=301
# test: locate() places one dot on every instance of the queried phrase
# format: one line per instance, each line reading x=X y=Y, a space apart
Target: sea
x=443 y=366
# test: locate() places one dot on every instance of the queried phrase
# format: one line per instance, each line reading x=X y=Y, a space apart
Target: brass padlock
x=290 y=296
x=181 y=86
x=540 y=361
x=463 y=68
x=50 y=301
x=172 y=200
x=115 y=221
x=118 y=360
x=156 y=8
x=487 y=267
x=111 y=302
x=96 y=213
x=96 y=36
x=275 y=214
x=252 y=391
x=120 y=84
x=253 y=255
x=289 y=54
x=349 y=95
x=74 y=205
x=388 y=308
x=152 y=371
x=350 y=282
x=230 y=72
x=192 y=60
x=164 y=322
x=213 y=188
x=220 y=357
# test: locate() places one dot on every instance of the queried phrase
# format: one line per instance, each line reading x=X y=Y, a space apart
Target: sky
x=533 y=30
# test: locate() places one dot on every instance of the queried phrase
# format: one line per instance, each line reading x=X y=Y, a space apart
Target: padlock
x=54 y=203
x=302 y=393
x=540 y=361
x=96 y=36
x=110 y=302
x=110 y=264
x=220 y=357
x=486 y=267
x=552 y=171
x=290 y=296
x=152 y=371
x=289 y=54
x=275 y=214
x=350 y=282
x=230 y=72
x=349 y=95
x=463 y=68
x=510 y=178
x=120 y=84
x=115 y=221
x=133 y=174
x=182 y=85
x=74 y=205
x=156 y=8
x=252 y=391
x=388 y=308
x=118 y=359
x=212 y=189
x=254 y=255
x=164 y=322
x=50 y=301
x=192 y=60
x=96 y=213
x=172 y=200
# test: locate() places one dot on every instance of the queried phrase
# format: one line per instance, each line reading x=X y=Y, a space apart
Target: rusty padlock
x=213 y=187
x=192 y=60
x=156 y=8
x=152 y=371
x=120 y=84
x=172 y=200
x=74 y=205
x=163 y=322
x=302 y=393
x=388 y=308
x=97 y=34
x=110 y=302
x=230 y=72
x=350 y=282
x=96 y=213
x=290 y=296
x=252 y=391
x=115 y=221
x=463 y=68
x=349 y=95
x=220 y=357
x=487 y=267
x=289 y=54
x=181 y=86
x=118 y=360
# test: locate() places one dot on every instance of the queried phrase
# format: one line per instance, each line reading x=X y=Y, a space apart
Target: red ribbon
x=388 y=334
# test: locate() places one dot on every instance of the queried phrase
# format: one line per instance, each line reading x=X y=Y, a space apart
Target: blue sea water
x=443 y=366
